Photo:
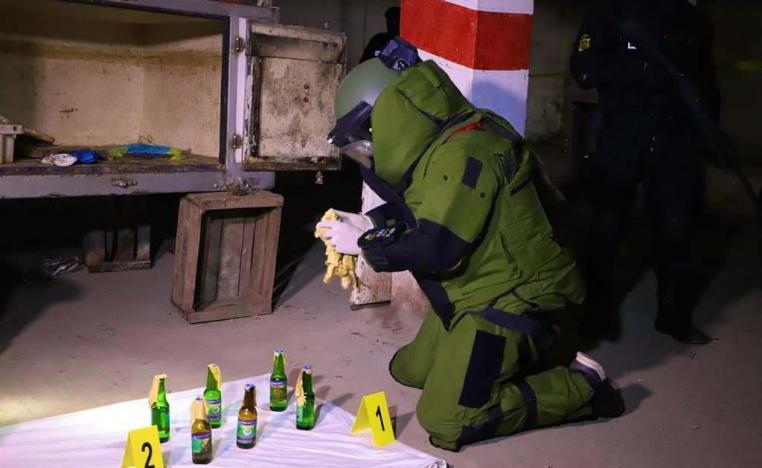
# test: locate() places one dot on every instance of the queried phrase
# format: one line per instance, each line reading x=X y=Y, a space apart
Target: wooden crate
x=225 y=255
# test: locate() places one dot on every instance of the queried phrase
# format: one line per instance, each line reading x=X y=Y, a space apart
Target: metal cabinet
x=244 y=95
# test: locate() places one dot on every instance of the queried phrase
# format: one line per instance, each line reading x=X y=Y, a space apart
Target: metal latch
x=123 y=182
x=236 y=142
x=239 y=44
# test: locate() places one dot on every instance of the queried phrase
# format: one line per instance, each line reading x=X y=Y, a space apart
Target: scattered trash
x=59 y=159
x=143 y=149
x=56 y=266
x=85 y=156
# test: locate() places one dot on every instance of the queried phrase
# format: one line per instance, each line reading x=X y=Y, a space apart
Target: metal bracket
x=240 y=44
x=236 y=142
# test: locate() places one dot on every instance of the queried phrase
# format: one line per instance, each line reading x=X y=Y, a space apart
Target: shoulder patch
x=472 y=172
x=585 y=42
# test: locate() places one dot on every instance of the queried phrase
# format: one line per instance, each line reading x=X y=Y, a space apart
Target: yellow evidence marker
x=373 y=414
x=337 y=265
x=143 y=449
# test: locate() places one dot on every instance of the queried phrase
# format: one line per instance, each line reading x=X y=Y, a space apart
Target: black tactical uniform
x=647 y=135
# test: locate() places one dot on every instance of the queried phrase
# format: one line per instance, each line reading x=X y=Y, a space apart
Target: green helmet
x=363 y=84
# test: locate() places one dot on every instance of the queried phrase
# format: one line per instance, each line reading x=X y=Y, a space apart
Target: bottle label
x=215 y=410
x=278 y=391
x=247 y=431
x=201 y=442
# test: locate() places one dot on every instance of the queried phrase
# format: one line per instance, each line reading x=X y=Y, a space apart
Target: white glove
x=360 y=221
x=342 y=236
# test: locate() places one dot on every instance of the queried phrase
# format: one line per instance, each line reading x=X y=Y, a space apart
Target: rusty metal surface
x=295 y=73
x=125 y=165
x=82 y=185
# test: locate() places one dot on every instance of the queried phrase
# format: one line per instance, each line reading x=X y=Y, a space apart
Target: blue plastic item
x=85 y=156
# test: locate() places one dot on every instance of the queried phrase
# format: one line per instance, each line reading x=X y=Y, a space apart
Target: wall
x=553 y=33
x=738 y=55
x=359 y=19
x=94 y=76
x=551 y=88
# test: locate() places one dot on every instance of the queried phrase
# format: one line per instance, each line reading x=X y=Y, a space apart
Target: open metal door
x=294 y=75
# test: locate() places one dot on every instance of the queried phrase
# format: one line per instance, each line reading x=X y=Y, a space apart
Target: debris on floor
x=56 y=266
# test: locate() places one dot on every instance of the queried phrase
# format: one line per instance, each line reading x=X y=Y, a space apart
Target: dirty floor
x=85 y=340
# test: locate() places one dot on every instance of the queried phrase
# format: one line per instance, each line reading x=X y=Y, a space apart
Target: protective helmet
x=357 y=95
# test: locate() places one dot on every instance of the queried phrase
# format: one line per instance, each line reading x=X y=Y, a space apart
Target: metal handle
x=123 y=182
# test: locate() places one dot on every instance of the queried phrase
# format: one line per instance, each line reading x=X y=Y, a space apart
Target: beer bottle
x=305 y=400
x=213 y=395
x=278 y=382
x=246 y=435
x=201 y=432
x=157 y=401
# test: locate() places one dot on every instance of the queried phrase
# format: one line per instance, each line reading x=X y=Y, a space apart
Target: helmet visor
x=360 y=151
x=353 y=126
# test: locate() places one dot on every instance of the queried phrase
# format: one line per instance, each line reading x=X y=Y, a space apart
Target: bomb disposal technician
x=464 y=215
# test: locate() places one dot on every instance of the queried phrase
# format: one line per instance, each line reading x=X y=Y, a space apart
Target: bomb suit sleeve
x=457 y=192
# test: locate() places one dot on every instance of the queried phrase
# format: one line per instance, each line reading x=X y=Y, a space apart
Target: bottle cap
x=249 y=386
x=279 y=350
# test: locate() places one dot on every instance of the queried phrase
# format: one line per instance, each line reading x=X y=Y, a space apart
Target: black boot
x=607 y=401
x=674 y=318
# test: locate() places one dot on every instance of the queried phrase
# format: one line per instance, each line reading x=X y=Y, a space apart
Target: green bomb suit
x=484 y=253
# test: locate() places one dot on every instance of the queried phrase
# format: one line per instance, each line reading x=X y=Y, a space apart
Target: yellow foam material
x=216 y=373
x=299 y=389
x=153 y=394
x=199 y=409
x=337 y=265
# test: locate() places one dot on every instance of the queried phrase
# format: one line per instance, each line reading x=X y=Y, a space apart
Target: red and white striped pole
x=482 y=44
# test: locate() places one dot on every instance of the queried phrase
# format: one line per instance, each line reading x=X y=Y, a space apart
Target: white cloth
x=96 y=437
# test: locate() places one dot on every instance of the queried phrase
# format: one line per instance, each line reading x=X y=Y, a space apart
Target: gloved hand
x=358 y=220
x=342 y=236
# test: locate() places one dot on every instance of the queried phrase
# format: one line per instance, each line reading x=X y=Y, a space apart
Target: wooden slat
x=265 y=253
x=179 y=263
x=186 y=255
x=125 y=245
x=230 y=257
x=143 y=248
x=245 y=286
x=227 y=201
x=211 y=252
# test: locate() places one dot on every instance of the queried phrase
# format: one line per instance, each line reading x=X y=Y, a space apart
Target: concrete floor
x=85 y=340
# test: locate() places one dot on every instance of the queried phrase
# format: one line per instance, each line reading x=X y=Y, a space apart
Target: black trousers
x=668 y=166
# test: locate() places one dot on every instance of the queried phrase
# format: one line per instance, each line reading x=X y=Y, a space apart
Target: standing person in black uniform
x=647 y=135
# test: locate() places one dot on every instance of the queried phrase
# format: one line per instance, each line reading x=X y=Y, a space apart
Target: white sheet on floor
x=96 y=437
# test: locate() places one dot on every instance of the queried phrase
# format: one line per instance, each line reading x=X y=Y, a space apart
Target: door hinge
x=236 y=142
x=239 y=44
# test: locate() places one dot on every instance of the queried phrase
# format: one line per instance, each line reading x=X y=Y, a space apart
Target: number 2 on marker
x=148 y=446
x=380 y=418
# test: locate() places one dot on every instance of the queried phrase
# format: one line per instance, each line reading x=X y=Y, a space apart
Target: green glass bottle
x=305 y=400
x=279 y=382
x=246 y=435
x=157 y=401
x=201 y=432
x=213 y=395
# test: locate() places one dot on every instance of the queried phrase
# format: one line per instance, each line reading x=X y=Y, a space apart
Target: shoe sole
x=588 y=362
